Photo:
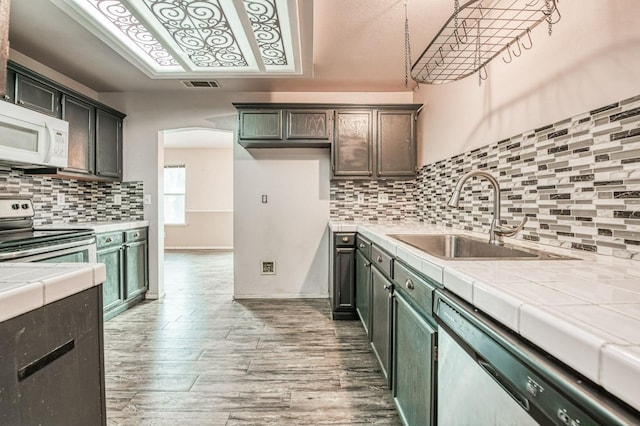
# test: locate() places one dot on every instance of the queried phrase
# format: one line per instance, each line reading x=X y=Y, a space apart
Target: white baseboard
x=221 y=248
x=280 y=296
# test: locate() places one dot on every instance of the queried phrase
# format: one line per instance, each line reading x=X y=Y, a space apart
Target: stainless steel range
x=21 y=242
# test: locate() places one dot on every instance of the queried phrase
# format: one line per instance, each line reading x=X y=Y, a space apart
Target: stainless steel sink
x=459 y=247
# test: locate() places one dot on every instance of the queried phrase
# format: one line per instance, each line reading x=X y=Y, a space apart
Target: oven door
x=72 y=251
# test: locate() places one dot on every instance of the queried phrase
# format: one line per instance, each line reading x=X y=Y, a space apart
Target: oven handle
x=45 y=249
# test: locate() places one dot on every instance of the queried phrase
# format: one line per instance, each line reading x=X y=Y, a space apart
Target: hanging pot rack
x=478 y=32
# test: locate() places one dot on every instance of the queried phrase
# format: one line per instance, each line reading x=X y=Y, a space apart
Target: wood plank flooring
x=197 y=357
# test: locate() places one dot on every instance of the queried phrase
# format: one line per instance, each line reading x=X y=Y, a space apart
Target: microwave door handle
x=50 y=140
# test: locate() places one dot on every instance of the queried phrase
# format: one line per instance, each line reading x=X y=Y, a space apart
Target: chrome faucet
x=497 y=231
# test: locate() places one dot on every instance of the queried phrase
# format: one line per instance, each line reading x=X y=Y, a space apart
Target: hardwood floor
x=197 y=357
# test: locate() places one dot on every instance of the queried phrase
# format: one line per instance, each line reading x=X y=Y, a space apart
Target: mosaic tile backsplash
x=577 y=181
x=345 y=205
x=84 y=201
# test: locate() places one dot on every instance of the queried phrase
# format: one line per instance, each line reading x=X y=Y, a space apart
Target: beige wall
x=592 y=59
x=209 y=199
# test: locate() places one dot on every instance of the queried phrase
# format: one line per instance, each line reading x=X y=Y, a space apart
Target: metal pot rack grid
x=478 y=34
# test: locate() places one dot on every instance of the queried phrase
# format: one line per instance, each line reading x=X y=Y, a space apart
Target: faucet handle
x=510 y=232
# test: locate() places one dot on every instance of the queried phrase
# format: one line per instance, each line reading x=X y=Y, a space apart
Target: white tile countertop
x=28 y=286
x=100 y=226
x=585 y=312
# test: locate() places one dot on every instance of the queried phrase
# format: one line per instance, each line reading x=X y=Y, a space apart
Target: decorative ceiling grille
x=201 y=30
x=263 y=15
x=166 y=38
x=129 y=25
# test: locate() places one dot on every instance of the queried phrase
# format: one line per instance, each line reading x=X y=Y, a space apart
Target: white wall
x=152 y=112
x=592 y=59
x=209 y=199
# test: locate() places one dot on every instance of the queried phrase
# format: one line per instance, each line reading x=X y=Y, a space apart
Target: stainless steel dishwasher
x=488 y=375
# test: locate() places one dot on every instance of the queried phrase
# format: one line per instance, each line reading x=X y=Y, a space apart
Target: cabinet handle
x=387 y=286
x=344 y=239
x=136 y=235
x=45 y=360
x=366 y=264
x=409 y=284
x=6 y=97
x=362 y=245
x=108 y=239
x=379 y=259
x=21 y=102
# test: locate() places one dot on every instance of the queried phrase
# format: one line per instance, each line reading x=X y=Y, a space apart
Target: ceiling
x=345 y=45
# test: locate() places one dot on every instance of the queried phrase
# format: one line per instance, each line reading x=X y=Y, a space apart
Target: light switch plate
x=360 y=198
x=147 y=199
x=383 y=198
x=117 y=199
x=61 y=200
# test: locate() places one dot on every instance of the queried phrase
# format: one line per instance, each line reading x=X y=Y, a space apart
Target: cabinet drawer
x=109 y=239
x=136 y=235
x=382 y=260
x=364 y=246
x=343 y=239
x=418 y=290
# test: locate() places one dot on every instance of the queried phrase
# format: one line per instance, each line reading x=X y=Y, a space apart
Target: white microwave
x=31 y=138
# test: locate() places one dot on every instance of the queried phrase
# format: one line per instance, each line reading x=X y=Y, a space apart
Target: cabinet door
x=352 y=153
x=108 y=145
x=363 y=290
x=309 y=124
x=413 y=364
x=80 y=116
x=37 y=96
x=344 y=280
x=381 y=320
x=112 y=289
x=10 y=88
x=135 y=255
x=396 y=144
x=260 y=124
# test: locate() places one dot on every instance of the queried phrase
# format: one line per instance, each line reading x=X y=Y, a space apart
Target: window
x=174 y=195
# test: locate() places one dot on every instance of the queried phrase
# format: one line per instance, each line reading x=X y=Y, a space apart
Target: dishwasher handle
x=504 y=384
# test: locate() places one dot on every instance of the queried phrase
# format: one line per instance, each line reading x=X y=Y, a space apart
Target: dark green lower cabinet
x=363 y=291
x=125 y=255
x=413 y=374
x=112 y=289
x=136 y=268
x=381 y=289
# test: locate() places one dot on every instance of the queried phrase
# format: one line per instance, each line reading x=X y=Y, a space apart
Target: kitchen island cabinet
x=51 y=363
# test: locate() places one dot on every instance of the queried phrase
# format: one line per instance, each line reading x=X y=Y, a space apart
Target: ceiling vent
x=199 y=83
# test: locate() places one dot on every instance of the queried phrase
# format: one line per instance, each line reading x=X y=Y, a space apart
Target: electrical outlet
x=61 y=200
x=360 y=198
x=267 y=267
x=117 y=199
x=383 y=198
x=147 y=199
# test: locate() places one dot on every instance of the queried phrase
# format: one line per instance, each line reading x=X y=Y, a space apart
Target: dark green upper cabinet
x=386 y=149
x=284 y=126
x=80 y=116
x=95 y=130
x=308 y=124
x=396 y=144
x=36 y=95
x=260 y=125
x=108 y=145
x=352 y=147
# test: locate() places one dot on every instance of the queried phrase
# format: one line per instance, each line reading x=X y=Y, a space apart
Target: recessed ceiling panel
x=168 y=38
